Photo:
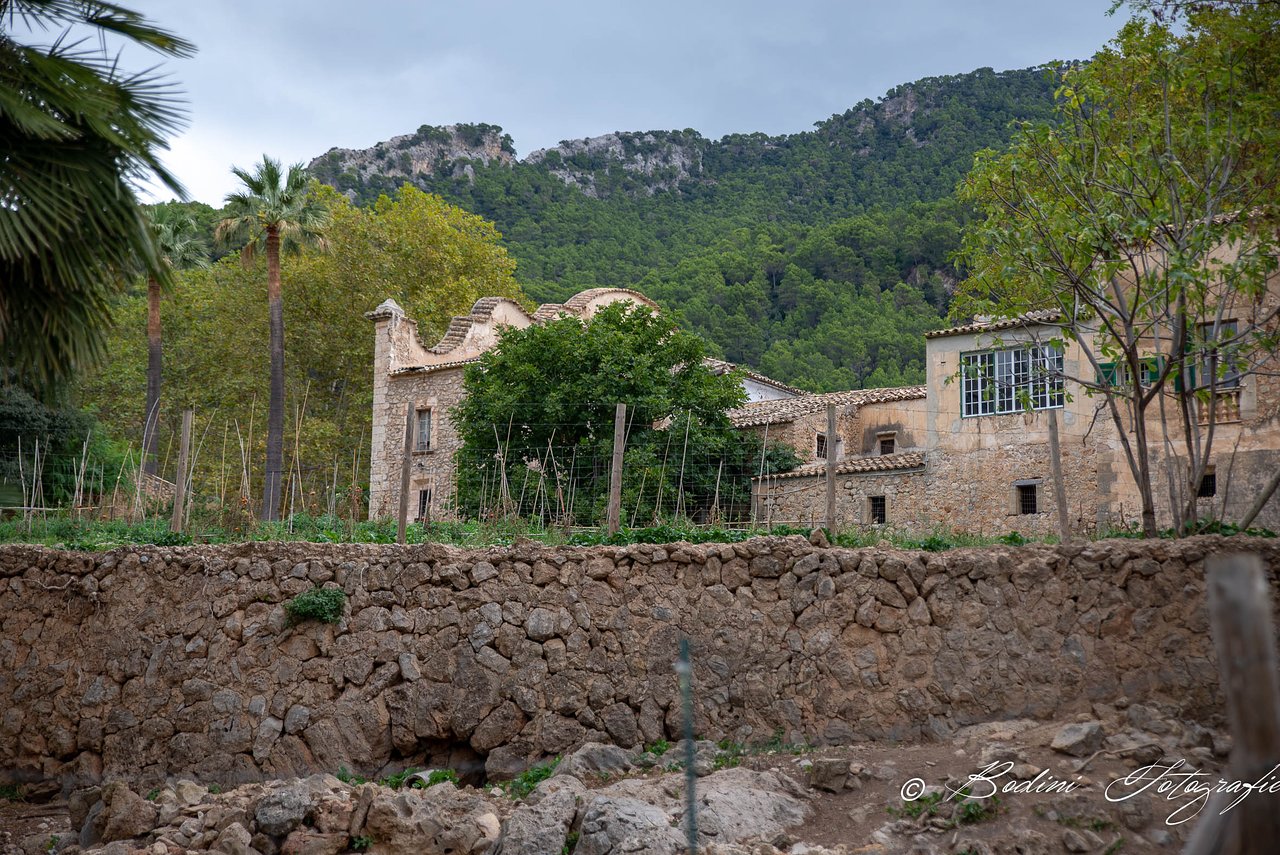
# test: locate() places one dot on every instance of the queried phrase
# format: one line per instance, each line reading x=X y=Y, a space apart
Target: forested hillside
x=818 y=257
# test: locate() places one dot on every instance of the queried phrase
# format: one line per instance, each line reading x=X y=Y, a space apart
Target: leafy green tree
x=1145 y=218
x=274 y=212
x=538 y=418
x=431 y=257
x=77 y=132
x=179 y=246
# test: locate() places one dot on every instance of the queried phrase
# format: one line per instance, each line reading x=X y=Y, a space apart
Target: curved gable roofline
x=481 y=312
x=578 y=303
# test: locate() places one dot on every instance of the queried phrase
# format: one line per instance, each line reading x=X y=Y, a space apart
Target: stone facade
x=975 y=467
x=153 y=662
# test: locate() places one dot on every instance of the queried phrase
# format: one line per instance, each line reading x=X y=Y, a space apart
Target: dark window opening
x=886 y=445
x=821 y=446
x=424 y=503
x=1027 y=499
x=878 y=510
x=1208 y=484
x=422 y=437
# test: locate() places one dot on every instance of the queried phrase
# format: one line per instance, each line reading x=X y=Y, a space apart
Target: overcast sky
x=293 y=78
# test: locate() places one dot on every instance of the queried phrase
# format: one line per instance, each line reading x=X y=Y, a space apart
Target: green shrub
x=322 y=604
x=524 y=783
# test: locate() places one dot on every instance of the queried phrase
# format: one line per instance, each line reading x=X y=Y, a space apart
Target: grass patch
x=11 y=793
x=346 y=776
x=523 y=784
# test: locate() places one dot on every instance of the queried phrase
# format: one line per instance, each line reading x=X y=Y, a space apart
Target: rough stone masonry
x=150 y=663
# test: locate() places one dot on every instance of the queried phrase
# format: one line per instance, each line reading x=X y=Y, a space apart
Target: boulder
x=439 y=820
x=283 y=810
x=542 y=823
x=125 y=814
x=596 y=760
x=1079 y=740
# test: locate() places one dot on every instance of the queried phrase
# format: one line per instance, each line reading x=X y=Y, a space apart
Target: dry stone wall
x=157 y=662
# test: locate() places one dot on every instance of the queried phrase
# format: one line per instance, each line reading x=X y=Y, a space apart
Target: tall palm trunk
x=275 y=405
x=151 y=418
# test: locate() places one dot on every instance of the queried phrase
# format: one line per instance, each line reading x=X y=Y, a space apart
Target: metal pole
x=684 y=668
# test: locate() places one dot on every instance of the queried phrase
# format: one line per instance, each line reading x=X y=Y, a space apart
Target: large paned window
x=1010 y=380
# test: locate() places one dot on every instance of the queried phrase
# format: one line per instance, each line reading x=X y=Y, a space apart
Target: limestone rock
x=542 y=823
x=283 y=810
x=1079 y=740
x=233 y=840
x=435 y=821
x=596 y=760
x=125 y=814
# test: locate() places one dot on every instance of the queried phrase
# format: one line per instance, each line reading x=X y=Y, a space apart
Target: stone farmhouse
x=959 y=453
x=964 y=453
x=430 y=378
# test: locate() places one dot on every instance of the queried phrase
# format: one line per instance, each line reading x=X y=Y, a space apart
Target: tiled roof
x=423 y=369
x=1041 y=316
x=786 y=410
x=548 y=311
x=857 y=465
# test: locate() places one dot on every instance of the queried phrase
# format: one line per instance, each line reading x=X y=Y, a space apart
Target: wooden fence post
x=406 y=464
x=831 y=468
x=1240 y=603
x=613 y=519
x=180 y=485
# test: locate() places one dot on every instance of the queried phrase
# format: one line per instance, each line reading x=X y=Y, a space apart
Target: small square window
x=422 y=432
x=1027 y=499
x=1208 y=484
x=886 y=445
x=878 y=510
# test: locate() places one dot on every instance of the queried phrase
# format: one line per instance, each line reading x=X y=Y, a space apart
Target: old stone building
x=427 y=381
x=966 y=453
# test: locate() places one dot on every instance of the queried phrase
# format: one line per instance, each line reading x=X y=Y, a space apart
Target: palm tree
x=179 y=245
x=77 y=133
x=274 y=212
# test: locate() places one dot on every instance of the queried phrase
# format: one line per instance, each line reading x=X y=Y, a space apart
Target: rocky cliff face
x=632 y=163
x=429 y=152
x=658 y=160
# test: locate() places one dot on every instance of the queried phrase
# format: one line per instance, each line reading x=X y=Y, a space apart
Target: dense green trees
x=427 y=255
x=77 y=132
x=537 y=422
x=274 y=212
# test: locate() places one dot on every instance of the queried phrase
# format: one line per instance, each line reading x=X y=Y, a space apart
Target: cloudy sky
x=293 y=78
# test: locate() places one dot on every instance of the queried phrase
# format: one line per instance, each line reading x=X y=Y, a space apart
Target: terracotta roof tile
x=423 y=369
x=786 y=410
x=857 y=465
x=1029 y=319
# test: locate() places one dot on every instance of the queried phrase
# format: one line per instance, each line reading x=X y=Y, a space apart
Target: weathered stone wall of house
x=803 y=501
x=438 y=390
x=153 y=662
